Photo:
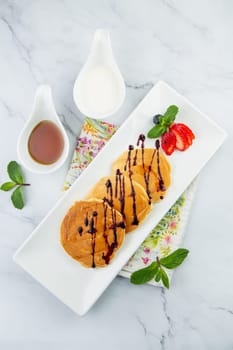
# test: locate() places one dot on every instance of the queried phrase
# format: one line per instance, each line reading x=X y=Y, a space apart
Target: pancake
x=150 y=175
x=130 y=200
x=92 y=232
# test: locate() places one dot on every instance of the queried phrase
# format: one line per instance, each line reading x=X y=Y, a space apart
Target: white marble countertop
x=189 y=45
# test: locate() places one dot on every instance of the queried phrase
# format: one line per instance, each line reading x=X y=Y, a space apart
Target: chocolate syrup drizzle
x=149 y=172
x=114 y=226
x=109 y=199
x=146 y=173
x=109 y=247
x=120 y=187
x=161 y=182
x=135 y=220
x=109 y=193
x=86 y=220
x=92 y=223
x=80 y=230
x=114 y=244
x=119 y=193
x=141 y=139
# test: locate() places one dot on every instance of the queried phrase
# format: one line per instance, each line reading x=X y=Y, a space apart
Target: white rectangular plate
x=43 y=257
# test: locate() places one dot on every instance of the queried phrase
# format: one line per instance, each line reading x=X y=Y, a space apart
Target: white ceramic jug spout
x=43 y=104
x=101 y=50
x=99 y=89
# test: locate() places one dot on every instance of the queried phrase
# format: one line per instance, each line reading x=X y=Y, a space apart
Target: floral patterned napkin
x=167 y=235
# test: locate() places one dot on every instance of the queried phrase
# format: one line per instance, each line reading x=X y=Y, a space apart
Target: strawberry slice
x=190 y=135
x=182 y=142
x=168 y=142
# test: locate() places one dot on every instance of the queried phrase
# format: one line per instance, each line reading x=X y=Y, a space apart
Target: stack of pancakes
x=94 y=229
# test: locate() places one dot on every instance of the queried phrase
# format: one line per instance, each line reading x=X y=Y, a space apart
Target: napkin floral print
x=161 y=239
x=167 y=235
x=93 y=137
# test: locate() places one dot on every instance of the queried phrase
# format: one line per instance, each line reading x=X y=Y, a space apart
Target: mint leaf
x=170 y=115
x=17 y=198
x=14 y=172
x=174 y=259
x=7 y=186
x=158 y=275
x=164 y=121
x=156 y=131
x=164 y=278
x=144 y=275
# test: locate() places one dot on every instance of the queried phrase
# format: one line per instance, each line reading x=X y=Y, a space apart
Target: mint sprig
x=156 y=269
x=156 y=131
x=174 y=259
x=15 y=172
x=17 y=198
x=16 y=175
x=144 y=275
x=170 y=114
x=164 y=278
x=7 y=186
x=164 y=122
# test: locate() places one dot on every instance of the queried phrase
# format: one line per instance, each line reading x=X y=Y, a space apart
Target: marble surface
x=189 y=45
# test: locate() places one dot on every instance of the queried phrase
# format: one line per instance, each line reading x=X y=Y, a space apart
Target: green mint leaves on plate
x=16 y=175
x=164 y=122
x=156 y=269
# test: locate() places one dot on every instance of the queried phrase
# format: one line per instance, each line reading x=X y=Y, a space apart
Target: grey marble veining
x=189 y=45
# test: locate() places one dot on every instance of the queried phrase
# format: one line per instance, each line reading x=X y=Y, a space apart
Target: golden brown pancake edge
x=80 y=246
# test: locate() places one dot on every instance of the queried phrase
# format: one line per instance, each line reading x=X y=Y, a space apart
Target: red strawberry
x=168 y=142
x=190 y=135
x=182 y=142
